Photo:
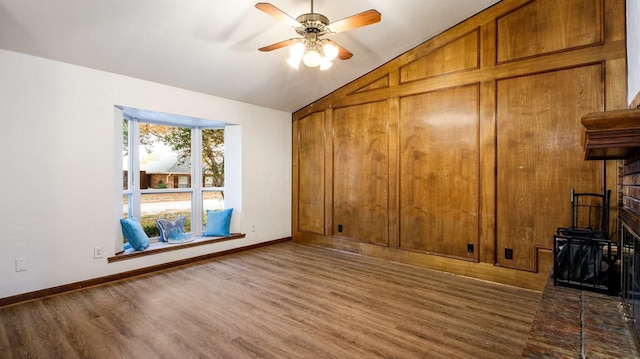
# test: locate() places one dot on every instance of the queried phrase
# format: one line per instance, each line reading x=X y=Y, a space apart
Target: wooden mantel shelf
x=611 y=134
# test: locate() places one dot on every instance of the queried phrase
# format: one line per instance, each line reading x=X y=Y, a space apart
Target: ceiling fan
x=311 y=49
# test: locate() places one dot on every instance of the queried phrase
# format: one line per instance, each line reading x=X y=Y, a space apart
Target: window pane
x=164 y=205
x=125 y=154
x=165 y=156
x=183 y=181
x=213 y=158
x=126 y=203
x=211 y=201
x=126 y=209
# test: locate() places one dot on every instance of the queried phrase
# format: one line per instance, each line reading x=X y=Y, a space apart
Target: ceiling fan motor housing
x=312 y=23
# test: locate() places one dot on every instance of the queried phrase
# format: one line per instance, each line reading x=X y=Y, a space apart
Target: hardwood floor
x=282 y=301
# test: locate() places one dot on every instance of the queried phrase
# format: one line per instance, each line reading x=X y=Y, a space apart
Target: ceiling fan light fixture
x=330 y=51
x=326 y=64
x=312 y=58
x=294 y=62
x=297 y=50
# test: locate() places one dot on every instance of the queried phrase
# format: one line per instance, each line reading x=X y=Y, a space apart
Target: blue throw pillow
x=134 y=234
x=218 y=223
x=167 y=227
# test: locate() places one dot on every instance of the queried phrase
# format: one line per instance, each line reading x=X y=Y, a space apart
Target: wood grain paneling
x=488 y=189
x=380 y=83
x=615 y=28
x=459 y=55
x=361 y=173
x=545 y=26
x=310 y=167
x=439 y=171
x=394 y=173
x=540 y=156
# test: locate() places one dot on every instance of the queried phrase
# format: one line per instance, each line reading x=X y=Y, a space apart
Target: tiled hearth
x=574 y=323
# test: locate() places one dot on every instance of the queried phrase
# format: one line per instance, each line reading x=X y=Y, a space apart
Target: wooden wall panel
x=380 y=83
x=488 y=188
x=310 y=138
x=439 y=171
x=545 y=26
x=361 y=173
x=458 y=55
x=540 y=156
x=614 y=21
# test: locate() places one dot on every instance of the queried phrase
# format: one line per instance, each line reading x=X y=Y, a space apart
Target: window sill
x=162 y=247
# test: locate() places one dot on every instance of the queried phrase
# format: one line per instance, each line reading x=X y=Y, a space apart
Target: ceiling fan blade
x=362 y=19
x=279 y=45
x=343 y=54
x=277 y=13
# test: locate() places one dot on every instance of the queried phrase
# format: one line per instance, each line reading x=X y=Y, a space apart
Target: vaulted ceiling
x=210 y=46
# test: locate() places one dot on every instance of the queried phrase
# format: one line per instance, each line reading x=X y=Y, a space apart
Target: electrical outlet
x=469 y=248
x=253 y=228
x=508 y=253
x=339 y=228
x=21 y=264
x=97 y=252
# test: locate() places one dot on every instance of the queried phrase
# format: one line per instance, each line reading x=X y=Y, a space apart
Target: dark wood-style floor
x=282 y=301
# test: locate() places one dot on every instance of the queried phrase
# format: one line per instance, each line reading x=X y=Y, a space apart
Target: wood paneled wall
x=467 y=144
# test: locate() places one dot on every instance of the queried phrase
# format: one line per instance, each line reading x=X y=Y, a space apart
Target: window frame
x=197 y=188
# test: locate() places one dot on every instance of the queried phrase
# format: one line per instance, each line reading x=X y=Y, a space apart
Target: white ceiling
x=210 y=46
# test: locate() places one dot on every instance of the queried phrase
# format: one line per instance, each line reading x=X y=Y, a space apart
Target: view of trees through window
x=165 y=186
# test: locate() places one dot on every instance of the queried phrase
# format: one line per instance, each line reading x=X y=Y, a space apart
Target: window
x=163 y=155
x=183 y=181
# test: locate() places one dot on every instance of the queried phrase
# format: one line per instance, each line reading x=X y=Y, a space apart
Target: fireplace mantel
x=611 y=134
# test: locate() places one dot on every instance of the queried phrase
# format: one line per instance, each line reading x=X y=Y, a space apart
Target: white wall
x=633 y=49
x=59 y=187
